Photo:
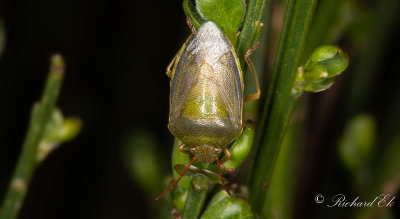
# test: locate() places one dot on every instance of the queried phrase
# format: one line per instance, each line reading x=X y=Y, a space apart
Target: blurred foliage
x=356 y=147
x=46 y=131
x=142 y=160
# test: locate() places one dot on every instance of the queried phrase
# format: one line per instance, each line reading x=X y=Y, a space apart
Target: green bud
x=69 y=129
x=326 y=62
x=317 y=74
x=58 y=130
x=224 y=206
x=53 y=125
x=241 y=148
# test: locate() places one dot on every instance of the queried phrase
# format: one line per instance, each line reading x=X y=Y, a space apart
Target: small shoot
x=317 y=74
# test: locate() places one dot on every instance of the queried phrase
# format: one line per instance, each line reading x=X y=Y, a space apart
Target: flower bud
x=317 y=74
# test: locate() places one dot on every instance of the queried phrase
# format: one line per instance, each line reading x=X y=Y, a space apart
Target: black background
x=116 y=54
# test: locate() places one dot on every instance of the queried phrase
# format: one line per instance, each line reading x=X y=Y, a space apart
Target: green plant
x=47 y=130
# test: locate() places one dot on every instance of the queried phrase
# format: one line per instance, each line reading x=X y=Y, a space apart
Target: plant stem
x=280 y=100
x=251 y=29
x=27 y=161
x=278 y=203
x=196 y=198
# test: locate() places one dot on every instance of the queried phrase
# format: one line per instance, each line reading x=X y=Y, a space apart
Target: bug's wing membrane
x=186 y=72
x=206 y=101
x=230 y=85
x=206 y=92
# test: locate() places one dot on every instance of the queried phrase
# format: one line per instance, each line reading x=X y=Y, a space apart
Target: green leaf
x=189 y=7
x=224 y=206
x=227 y=14
x=198 y=190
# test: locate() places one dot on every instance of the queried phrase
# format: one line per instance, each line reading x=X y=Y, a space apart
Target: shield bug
x=206 y=97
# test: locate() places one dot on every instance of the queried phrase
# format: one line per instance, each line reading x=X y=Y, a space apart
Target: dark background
x=116 y=54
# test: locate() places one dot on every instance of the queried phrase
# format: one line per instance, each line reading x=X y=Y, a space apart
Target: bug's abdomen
x=205 y=115
x=215 y=132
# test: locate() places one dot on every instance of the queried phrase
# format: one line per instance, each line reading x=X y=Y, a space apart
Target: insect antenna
x=176 y=182
x=220 y=175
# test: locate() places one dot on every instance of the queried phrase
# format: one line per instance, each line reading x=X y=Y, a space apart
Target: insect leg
x=256 y=95
x=176 y=182
x=171 y=64
x=182 y=149
x=220 y=175
x=189 y=23
x=227 y=157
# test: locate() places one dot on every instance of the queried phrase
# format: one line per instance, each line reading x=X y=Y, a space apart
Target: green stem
x=196 y=198
x=251 y=29
x=281 y=100
x=27 y=161
x=278 y=202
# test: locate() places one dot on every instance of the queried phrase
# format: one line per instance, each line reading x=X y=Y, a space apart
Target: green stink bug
x=206 y=97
